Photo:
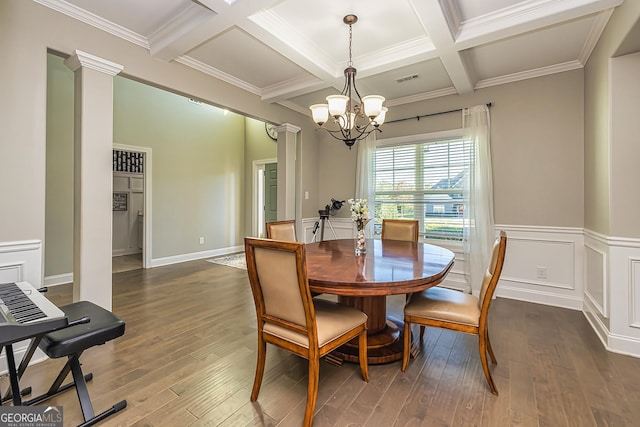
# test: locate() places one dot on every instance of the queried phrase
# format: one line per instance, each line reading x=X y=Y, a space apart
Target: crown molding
x=220 y=75
x=529 y=74
x=594 y=35
x=292 y=87
x=295 y=107
x=183 y=23
x=87 y=60
x=95 y=21
x=287 y=127
x=421 y=96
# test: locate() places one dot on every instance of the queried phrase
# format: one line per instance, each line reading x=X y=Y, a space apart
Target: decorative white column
x=287 y=171
x=93 y=176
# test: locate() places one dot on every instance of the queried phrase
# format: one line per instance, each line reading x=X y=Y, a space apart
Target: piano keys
x=26 y=313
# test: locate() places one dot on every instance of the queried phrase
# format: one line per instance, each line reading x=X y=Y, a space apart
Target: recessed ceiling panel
x=140 y=16
x=381 y=24
x=242 y=56
x=553 y=45
x=414 y=79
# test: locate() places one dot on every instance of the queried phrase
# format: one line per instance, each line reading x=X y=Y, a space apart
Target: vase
x=361 y=243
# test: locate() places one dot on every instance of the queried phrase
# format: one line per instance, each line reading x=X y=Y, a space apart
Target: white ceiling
x=293 y=52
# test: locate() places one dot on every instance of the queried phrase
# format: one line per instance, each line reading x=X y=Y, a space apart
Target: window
x=424 y=180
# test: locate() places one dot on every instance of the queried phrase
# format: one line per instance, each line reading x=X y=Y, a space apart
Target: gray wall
x=58 y=252
x=198 y=164
x=536 y=143
x=622 y=30
x=258 y=146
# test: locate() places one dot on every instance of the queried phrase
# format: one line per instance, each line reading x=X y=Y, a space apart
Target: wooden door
x=270 y=192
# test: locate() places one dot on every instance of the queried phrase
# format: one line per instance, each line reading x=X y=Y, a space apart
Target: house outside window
x=424 y=178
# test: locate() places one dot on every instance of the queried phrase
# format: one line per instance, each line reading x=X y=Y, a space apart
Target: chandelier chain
x=350 y=40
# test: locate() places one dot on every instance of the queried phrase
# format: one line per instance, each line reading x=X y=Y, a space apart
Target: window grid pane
x=423 y=181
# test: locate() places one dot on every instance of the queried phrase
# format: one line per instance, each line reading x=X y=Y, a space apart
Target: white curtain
x=478 y=234
x=365 y=176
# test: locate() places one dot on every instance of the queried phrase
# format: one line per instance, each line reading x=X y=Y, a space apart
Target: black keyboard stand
x=14 y=393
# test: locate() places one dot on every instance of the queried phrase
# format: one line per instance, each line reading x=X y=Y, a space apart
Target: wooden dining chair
x=282 y=230
x=445 y=308
x=400 y=229
x=289 y=318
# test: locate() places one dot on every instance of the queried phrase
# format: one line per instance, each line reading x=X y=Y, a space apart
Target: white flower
x=359 y=211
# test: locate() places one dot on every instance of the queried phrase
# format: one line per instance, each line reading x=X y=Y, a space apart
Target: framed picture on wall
x=120 y=202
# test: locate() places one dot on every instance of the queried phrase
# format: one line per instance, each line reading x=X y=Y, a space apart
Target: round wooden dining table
x=389 y=267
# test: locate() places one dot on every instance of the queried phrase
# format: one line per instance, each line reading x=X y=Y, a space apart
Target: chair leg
x=485 y=364
x=362 y=351
x=422 y=328
x=489 y=348
x=312 y=391
x=406 y=348
x=262 y=356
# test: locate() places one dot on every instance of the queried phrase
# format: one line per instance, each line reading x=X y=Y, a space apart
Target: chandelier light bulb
x=379 y=120
x=337 y=104
x=320 y=113
x=372 y=105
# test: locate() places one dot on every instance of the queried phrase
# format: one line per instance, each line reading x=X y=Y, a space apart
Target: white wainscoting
x=612 y=299
x=544 y=265
x=21 y=261
x=343 y=228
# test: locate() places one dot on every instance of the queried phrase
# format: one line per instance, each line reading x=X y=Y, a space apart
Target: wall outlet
x=541 y=272
x=202 y=240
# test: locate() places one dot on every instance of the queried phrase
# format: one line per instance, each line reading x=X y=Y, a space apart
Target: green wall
x=199 y=157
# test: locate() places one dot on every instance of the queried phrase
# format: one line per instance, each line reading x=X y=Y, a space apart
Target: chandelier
x=353 y=117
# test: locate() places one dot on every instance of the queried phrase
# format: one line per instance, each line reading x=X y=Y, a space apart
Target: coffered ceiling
x=293 y=52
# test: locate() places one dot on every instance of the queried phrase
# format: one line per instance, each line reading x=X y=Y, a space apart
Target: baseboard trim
x=58 y=279
x=539 y=297
x=195 y=256
x=19 y=349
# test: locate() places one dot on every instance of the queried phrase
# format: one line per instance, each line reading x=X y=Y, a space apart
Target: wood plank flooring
x=188 y=358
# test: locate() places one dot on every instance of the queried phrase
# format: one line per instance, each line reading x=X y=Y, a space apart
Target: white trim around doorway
x=258 y=165
x=147 y=234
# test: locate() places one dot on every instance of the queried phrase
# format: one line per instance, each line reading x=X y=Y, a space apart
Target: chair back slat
x=493 y=272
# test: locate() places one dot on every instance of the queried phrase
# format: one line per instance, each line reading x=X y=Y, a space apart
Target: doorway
x=131 y=219
x=265 y=194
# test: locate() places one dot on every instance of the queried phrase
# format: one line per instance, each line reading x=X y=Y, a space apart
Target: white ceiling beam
x=434 y=20
x=524 y=17
x=199 y=24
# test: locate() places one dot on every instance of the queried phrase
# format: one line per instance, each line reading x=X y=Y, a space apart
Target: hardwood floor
x=126 y=263
x=188 y=358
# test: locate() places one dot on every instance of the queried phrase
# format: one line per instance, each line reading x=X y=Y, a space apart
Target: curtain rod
x=429 y=115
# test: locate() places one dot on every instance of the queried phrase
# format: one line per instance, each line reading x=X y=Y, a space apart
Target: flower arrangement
x=359 y=212
x=360 y=215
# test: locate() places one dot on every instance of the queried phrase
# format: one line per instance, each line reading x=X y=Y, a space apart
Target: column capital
x=287 y=127
x=84 y=59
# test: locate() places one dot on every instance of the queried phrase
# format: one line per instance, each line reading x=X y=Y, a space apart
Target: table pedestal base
x=382 y=347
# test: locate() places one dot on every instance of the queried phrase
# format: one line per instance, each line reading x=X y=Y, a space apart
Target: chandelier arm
x=353 y=124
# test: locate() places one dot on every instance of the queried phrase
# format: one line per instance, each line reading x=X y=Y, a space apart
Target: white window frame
x=417 y=139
